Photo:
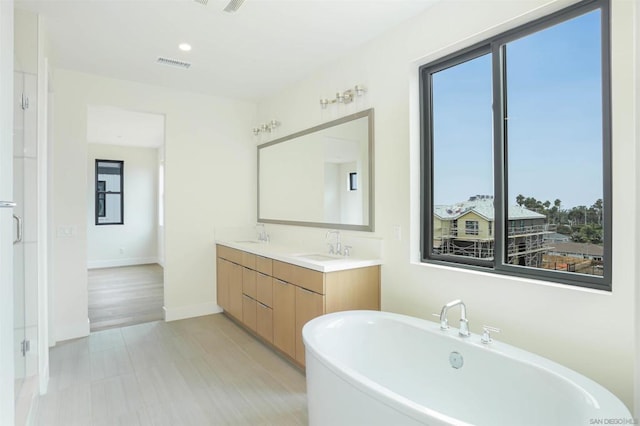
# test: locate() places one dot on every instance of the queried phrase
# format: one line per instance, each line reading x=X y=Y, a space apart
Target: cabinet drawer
x=264 y=284
x=249 y=307
x=249 y=282
x=302 y=277
x=264 y=265
x=229 y=253
x=264 y=322
x=248 y=260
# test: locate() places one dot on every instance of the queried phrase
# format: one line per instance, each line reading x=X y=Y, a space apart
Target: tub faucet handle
x=443 y=324
x=486 y=333
x=464 y=328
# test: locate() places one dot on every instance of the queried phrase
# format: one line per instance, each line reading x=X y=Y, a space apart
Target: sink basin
x=247 y=242
x=318 y=257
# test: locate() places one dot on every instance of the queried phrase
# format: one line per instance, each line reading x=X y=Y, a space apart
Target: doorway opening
x=125 y=229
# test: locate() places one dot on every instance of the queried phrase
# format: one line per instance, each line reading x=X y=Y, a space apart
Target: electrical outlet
x=66 y=231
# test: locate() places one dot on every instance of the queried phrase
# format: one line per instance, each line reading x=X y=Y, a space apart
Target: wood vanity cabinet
x=308 y=306
x=275 y=299
x=229 y=278
x=230 y=287
x=222 y=280
x=264 y=302
x=235 y=290
x=284 y=317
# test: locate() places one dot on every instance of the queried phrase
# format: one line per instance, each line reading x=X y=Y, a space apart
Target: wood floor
x=125 y=296
x=199 y=371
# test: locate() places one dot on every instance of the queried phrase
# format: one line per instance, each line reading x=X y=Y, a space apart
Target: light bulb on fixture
x=360 y=89
x=344 y=97
x=266 y=127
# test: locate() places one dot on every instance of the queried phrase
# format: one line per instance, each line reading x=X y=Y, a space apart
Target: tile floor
x=199 y=371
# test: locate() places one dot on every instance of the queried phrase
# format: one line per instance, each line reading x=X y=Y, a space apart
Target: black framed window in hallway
x=109 y=192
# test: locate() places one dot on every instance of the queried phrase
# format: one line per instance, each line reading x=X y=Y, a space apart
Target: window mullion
x=499 y=152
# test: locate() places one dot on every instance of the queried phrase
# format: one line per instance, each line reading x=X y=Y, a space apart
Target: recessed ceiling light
x=184 y=47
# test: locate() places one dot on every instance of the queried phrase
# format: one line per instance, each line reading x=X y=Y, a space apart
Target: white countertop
x=315 y=260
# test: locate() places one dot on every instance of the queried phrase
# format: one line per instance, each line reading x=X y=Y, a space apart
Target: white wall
x=136 y=241
x=209 y=160
x=589 y=331
x=635 y=113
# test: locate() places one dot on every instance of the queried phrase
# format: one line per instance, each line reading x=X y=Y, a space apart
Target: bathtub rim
x=601 y=397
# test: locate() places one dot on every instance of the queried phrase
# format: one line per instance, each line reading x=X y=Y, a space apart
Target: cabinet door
x=249 y=312
x=264 y=289
x=222 y=283
x=308 y=306
x=264 y=322
x=284 y=316
x=249 y=282
x=235 y=290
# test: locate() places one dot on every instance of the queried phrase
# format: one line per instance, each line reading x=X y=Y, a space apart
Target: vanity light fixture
x=345 y=97
x=266 y=127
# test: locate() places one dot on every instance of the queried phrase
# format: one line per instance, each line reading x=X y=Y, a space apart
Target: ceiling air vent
x=173 y=62
x=233 y=6
x=202 y=2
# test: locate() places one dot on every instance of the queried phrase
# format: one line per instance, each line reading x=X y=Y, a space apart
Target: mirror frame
x=367 y=227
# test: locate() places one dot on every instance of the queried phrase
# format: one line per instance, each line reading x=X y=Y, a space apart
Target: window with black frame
x=516 y=141
x=109 y=199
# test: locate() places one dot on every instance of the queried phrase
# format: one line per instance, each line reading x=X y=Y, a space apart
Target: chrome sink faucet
x=337 y=249
x=262 y=234
x=464 y=322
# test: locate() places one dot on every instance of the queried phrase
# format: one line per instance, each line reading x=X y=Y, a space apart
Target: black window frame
x=495 y=47
x=101 y=194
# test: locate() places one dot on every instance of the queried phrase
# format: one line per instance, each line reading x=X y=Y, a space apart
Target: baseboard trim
x=72 y=331
x=43 y=383
x=191 y=311
x=114 y=263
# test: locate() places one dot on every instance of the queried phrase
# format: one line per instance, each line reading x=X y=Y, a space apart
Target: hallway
x=125 y=296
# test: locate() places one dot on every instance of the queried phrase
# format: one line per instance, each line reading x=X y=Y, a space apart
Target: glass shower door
x=25 y=262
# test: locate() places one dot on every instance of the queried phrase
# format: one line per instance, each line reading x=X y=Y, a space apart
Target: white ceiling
x=251 y=54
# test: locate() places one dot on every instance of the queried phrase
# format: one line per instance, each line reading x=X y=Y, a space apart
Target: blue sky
x=554 y=127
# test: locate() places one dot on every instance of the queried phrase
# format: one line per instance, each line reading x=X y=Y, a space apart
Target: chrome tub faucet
x=464 y=322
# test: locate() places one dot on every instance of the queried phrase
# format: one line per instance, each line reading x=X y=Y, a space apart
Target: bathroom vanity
x=273 y=292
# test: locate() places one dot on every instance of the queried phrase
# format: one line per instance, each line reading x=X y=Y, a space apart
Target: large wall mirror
x=321 y=177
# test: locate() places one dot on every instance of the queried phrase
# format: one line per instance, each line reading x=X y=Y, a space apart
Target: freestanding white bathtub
x=379 y=368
